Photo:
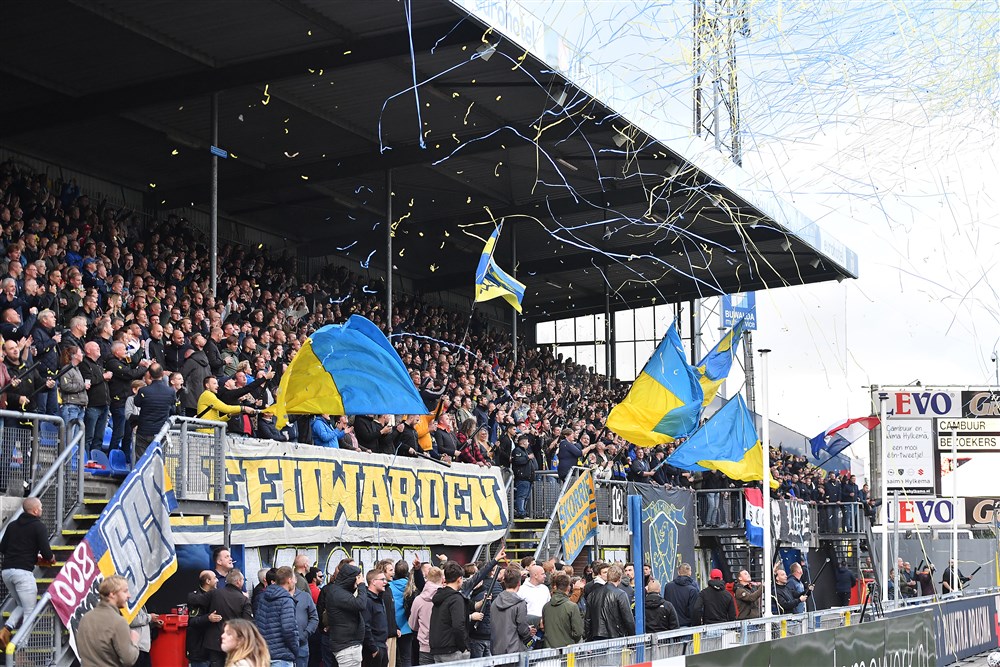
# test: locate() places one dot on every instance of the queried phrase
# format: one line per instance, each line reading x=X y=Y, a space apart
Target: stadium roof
x=316 y=105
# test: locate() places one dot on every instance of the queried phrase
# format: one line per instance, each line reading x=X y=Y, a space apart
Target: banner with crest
x=668 y=523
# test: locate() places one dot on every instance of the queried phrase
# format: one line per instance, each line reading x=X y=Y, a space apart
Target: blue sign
x=738 y=305
x=218 y=152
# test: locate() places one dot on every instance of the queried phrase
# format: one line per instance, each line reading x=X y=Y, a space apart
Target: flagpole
x=884 y=483
x=766 y=575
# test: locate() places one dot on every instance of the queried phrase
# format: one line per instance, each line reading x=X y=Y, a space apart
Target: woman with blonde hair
x=244 y=645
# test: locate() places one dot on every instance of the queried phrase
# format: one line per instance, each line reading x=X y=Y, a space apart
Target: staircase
x=41 y=647
x=735 y=554
x=523 y=537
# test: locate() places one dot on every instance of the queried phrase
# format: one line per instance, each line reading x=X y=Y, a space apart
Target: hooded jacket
x=509 y=628
x=562 y=620
x=341 y=611
x=660 y=614
x=276 y=621
x=714 y=604
x=398 y=588
x=25 y=538
x=195 y=369
x=420 y=615
x=682 y=592
x=449 y=631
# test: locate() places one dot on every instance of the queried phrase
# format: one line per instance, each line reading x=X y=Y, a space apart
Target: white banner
x=286 y=493
x=910 y=464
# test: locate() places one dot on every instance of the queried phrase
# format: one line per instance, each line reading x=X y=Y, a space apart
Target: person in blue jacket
x=401 y=579
x=327 y=431
x=275 y=618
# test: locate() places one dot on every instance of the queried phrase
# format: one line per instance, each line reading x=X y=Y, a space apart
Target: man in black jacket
x=715 y=604
x=523 y=466
x=784 y=599
x=342 y=614
x=450 y=617
x=682 y=592
x=46 y=341
x=156 y=403
x=200 y=617
x=228 y=602
x=660 y=614
x=120 y=386
x=609 y=614
x=376 y=653
x=95 y=377
x=212 y=351
x=22 y=543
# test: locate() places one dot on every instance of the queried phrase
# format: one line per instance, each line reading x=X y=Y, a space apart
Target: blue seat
x=99 y=457
x=48 y=434
x=119 y=463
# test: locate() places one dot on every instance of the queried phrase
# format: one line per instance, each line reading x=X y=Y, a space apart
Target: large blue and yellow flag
x=346 y=369
x=665 y=400
x=713 y=370
x=493 y=282
x=727 y=442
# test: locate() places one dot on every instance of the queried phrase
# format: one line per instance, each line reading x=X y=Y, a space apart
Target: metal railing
x=720 y=508
x=194 y=459
x=835 y=518
x=683 y=641
x=550 y=543
x=28 y=449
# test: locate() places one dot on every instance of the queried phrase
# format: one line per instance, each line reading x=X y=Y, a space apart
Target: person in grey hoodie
x=510 y=631
x=420 y=613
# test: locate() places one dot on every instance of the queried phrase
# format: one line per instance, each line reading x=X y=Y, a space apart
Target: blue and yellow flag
x=727 y=442
x=493 y=282
x=346 y=369
x=713 y=370
x=665 y=400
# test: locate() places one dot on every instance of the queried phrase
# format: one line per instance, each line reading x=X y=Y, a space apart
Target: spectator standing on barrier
x=715 y=604
x=561 y=617
x=534 y=591
x=24 y=541
x=523 y=465
x=448 y=636
x=747 y=594
x=230 y=603
x=276 y=619
x=832 y=487
x=103 y=636
x=376 y=653
x=342 y=613
x=244 y=646
x=609 y=614
x=714 y=480
x=784 y=599
x=156 y=402
x=509 y=626
x=569 y=453
x=306 y=620
x=660 y=614
x=420 y=613
x=199 y=618
x=682 y=593
x=844 y=581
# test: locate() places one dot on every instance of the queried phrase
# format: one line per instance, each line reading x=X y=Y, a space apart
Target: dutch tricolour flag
x=839 y=436
x=755 y=517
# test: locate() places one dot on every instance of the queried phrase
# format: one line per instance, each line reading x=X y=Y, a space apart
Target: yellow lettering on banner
x=375 y=504
x=263 y=494
x=457 y=516
x=485 y=510
x=341 y=493
x=404 y=495
x=432 y=509
x=302 y=499
x=236 y=513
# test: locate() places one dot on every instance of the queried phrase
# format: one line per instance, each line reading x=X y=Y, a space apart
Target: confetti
x=267 y=95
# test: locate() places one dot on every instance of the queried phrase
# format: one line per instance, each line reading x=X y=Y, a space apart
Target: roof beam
x=65 y=109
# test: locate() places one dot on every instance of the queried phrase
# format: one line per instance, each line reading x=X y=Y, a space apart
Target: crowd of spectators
x=99 y=304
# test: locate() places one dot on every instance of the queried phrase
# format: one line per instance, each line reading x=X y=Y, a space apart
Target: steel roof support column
x=388 y=251
x=214 y=212
x=513 y=311
x=609 y=336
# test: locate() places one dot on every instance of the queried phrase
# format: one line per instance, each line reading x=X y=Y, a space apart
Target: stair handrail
x=46 y=600
x=574 y=473
x=508 y=485
x=55 y=471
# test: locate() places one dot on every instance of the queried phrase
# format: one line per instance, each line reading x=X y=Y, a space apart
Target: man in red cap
x=715 y=604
